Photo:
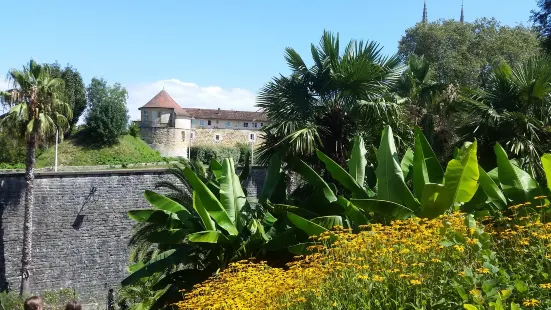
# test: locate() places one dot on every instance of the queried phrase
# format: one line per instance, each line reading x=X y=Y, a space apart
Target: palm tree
x=36 y=114
x=427 y=101
x=324 y=106
x=514 y=110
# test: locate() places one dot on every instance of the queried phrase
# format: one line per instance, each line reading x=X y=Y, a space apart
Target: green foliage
x=107 y=116
x=218 y=225
x=73 y=152
x=134 y=130
x=206 y=153
x=465 y=53
x=542 y=22
x=11 y=301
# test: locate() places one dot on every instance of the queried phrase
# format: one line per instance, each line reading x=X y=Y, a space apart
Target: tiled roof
x=163 y=100
x=226 y=115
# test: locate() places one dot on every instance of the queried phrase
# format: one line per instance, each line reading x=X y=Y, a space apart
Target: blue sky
x=208 y=53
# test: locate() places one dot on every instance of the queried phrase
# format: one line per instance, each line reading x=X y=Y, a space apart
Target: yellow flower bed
x=444 y=263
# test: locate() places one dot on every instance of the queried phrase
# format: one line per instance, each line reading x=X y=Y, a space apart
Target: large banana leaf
x=309 y=227
x=426 y=168
x=208 y=223
x=546 y=163
x=352 y=212
x=273 y=176
x=313 y=178
x=210 y=202
x=152 y=216
x=460 y=184
x=407 y=164
x=494 y=193
x=387 y=209
x=164 y=203
x=216 y=168
x=517 y=185
x=172 y=236
x=232 y=197
x=328 y=221
x=283 y=209
x=209 y=236
x=390 y=179
x=345 y=179
x=357 y=162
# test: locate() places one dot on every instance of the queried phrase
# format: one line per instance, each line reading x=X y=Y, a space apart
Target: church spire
x=462 y=19
x=425 y=16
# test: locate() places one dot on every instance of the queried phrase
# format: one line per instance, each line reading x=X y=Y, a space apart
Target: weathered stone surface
x=90 y=256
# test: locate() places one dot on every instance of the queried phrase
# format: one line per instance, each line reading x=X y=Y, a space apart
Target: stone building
x=172 y=130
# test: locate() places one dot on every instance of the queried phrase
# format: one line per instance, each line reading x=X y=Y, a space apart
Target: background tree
x=465 y=53
x=107 y=117
x=36 y=113
x=75 y=90
x=344 y=93
x=542 y=22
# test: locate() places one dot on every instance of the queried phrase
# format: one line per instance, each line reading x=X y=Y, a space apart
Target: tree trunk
x=28 y=219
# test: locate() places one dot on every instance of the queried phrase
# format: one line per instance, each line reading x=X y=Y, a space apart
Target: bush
x=11 y=301
x=447 y=263
x=134 y=130
x=107 y=117
x=206 y=153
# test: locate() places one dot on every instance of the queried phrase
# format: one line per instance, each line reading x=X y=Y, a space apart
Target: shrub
x=134 y=130
x=206 y=153
x=447 y=263
x=107 y=117
x=11 y=301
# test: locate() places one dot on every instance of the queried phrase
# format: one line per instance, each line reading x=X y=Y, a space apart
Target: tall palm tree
x=36 y=114
x=514 y=110
x=344 y=93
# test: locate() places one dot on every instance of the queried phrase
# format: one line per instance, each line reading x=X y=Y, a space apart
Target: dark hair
x=73 y=305
x=33 y=303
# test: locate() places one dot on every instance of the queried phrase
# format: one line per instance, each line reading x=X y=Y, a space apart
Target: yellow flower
x=530 y=302
x=475 y=292
x=546 y=286
x=415 y=282
x=462 y=273
x=483 y=270
x=378 y=278
x=459 y=248
x=334 y=304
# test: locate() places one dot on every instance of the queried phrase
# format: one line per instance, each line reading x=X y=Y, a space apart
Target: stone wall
x=228 y=137
x=170 y=142
x=80 y=228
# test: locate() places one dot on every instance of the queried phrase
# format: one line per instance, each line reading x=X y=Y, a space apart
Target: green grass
x=72 y=152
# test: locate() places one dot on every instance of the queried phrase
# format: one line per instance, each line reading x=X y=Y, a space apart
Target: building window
x=209 y=122
x=183 y=136
x=245 y=125
x=217 y=138
x=228 y=124
x=145 y=116
x=191 y=135
x=202 y=122
x=255 y=125
x=216 y=121
x=261 y=124
x=251 y=137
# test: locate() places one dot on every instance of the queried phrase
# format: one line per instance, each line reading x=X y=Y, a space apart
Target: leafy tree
x=344 y=93
x=513 y=110
x=466 y=53
x=75 y=91
x=107 y=117
x=36 y=113
x=542 y=22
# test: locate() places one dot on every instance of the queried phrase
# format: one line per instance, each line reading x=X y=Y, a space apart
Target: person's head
x=33 y=303
x=73 y=305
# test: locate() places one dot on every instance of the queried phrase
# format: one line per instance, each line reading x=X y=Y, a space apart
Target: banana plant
x=220 y=227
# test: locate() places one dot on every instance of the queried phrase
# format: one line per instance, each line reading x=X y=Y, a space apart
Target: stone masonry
x=80 y=228
x=228 y=137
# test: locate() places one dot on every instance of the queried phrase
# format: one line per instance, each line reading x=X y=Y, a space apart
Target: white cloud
x=190 y=95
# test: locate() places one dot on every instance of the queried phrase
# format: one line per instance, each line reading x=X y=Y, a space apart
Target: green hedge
x=206 y=153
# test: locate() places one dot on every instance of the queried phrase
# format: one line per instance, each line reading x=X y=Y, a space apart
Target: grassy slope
x=129 y=150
